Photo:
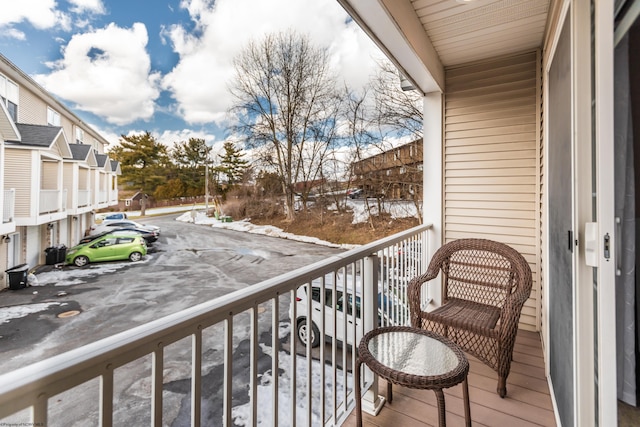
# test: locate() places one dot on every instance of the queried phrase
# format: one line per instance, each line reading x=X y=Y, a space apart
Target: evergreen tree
x=144 y=161
x=232 y=163
x=191 y=157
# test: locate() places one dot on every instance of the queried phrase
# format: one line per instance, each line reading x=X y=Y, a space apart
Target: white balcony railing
x=84 y=198
x=64 y=200
x=49 y=201
x=102 y=196
x=304 y=391
x=8 y=209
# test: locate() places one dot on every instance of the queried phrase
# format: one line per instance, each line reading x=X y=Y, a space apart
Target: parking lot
x=189 y=264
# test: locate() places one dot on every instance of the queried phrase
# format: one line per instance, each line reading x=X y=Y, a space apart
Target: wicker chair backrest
x=479 y=270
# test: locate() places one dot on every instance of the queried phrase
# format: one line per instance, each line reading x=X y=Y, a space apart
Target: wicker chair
x=484 y=286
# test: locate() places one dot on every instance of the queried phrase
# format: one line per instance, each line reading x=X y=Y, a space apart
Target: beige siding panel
x=67 y=182
x=55 y=150
x=494 y=180
x=492 y=213
x=18 y=175
x=490 y=197
x=498 y=107
x=491 y=139
x=485 y=221
x=490 y=148
x=488 y=172
x=504 y=130
x=473 y=123
x=49 y=176
x=490 y=98
x=461 y=81
x=495 y=66
x=504 y=206
x=32 y=109
x=491 y=183
x=492 y=92
x=494 y=113
x=495 y=155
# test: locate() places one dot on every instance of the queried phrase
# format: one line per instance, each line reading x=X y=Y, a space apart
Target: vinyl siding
x=18 y=175
x=68 y=183
x=32 y=109
x=492 y=159
x=49 y=176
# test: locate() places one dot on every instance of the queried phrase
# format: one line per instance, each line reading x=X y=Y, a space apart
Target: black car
x=148 y=236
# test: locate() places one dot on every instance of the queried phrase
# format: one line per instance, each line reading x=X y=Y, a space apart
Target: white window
x=9 y=95
x=53 y=118
x=79 y=135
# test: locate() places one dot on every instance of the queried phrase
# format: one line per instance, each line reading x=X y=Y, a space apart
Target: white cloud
x=90 y=6
x=199 y=82
x=13 y=33
x=107 y=72
x=170 y=137
x=42 y=14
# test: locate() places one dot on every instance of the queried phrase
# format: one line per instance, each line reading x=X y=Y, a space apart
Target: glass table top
x=412 y=353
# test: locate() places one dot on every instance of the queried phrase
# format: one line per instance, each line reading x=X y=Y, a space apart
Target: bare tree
x=286 y=104
x=397 y=109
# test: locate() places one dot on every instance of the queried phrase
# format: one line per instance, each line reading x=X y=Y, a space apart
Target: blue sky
x=128 y=66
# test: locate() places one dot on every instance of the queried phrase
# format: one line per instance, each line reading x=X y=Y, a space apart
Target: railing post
x=372 y=402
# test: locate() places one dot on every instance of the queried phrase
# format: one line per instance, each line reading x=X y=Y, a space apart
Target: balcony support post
x=372 y=402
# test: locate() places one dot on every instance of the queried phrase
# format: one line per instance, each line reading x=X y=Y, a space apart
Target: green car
x=110 y=247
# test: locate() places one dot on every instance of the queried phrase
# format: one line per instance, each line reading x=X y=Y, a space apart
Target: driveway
x=189 y=264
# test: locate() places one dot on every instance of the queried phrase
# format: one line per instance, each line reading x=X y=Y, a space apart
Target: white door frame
x=606 y=303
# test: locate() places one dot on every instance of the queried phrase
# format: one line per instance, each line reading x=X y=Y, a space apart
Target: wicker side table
x=413 y=358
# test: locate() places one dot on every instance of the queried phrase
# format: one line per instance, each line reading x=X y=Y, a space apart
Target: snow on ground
x=200 y=217
x=241 y=414
x=9 y=313
x=397 y=209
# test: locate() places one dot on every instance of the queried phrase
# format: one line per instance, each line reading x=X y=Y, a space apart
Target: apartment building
x=395 y=173
x=54 y=171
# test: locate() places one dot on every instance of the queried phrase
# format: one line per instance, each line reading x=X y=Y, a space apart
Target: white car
x=110 y=216
x=108 y=225
x=311 y=332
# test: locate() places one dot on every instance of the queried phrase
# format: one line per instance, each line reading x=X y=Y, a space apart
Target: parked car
x=110 y=216
x=148 y=236
x=355 y=194
x=311 y=332
x=109 y=247
x=109 y=225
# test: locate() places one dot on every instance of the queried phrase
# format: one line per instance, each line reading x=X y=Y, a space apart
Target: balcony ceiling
x=424 y=36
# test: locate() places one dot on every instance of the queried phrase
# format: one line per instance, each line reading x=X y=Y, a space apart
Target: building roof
x=83 y=153
x=37 y=135
x=115 y=167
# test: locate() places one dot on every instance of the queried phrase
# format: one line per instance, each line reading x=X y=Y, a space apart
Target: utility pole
x=206 y=188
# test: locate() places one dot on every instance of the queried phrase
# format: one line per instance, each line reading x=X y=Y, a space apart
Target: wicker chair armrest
x=414 y=294
x=512 y=308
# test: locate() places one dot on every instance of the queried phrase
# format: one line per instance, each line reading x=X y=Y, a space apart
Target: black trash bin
x=55 y=254
x=18 y=276
x=62 y=252
x=51 y=255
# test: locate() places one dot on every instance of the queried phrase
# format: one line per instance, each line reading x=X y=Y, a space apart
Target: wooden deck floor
x=527 y=403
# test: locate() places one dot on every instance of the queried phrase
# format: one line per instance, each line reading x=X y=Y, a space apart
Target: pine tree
x=232 y=163
x=144 y=161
